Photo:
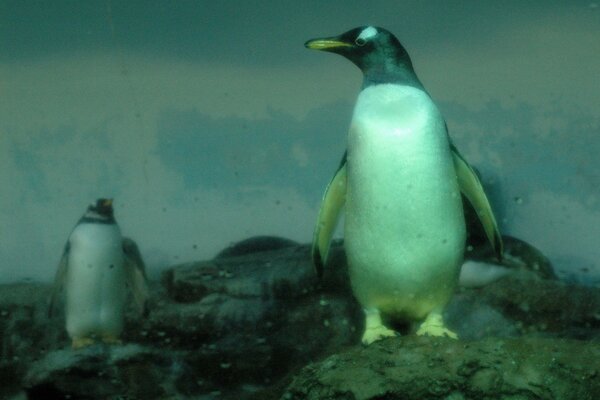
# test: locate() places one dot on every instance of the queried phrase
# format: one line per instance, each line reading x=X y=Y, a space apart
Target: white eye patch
x=367 y=33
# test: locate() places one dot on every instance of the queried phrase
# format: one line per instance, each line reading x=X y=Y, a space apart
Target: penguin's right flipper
x=59 y=280
x=136 y=275
x=329 y=215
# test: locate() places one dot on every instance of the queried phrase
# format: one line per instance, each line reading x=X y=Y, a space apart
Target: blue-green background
x=209 y=122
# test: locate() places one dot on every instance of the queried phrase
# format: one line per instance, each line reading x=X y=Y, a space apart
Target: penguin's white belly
x=404 y=230
x=95 y=282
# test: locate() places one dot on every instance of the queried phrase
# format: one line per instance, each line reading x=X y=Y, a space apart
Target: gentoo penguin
x=95 y=269
x=401 y=181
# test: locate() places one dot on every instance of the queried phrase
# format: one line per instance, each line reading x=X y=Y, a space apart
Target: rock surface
x=439 y=368
x=242 y=326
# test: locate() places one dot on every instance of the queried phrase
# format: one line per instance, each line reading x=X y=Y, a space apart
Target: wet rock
x=529 y=305
x=130 y=371
x=235 y=326
x=241 y=327
x=517 y=254
x=25 y=333
x=274 y=275
x=439 y=368
x=256 y=244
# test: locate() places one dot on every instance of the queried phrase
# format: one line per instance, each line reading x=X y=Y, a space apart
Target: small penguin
x=402 y=182
x=95 y=269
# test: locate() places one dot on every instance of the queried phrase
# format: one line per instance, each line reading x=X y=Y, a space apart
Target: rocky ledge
x=439 y=368
x=259 y=325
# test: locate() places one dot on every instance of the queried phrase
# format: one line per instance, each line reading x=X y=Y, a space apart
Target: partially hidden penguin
x=402 y=183
x=97 y=267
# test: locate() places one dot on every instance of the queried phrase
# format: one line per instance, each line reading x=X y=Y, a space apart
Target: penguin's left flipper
x=329 y=215
x=59 y=279
x=136 y=275
x=471 y=188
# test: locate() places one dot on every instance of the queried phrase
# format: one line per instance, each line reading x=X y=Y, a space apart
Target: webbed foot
x=81 y=342
x=110 y=339
x=374 y=328
x=434 y=326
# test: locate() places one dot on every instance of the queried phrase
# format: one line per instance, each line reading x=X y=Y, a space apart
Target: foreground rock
x=230 y=327
x=242 y=325
x=436 y=368
x=101 y=371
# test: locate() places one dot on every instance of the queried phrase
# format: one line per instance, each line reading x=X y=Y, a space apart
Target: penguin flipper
x=135 y=270
x=471 y=188
x=329 y=215
x=59 y=279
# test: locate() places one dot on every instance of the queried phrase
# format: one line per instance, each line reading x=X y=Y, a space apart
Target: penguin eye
x=360 y=41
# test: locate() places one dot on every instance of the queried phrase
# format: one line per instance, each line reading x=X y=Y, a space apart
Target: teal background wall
x=209 y=122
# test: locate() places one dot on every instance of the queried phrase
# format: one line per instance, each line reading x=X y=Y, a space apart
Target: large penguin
x=96 y=268
x=401 y=181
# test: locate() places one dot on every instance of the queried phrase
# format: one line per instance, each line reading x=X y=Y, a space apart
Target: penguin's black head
x=380 y=56
x=99 y=213
x=103 y=207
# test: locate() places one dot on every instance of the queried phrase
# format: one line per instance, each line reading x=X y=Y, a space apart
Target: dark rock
x=283 y=274
x=25 y=332
x=241 y=327
x=532 y=305
x=130 y=371
x=518 y=254
x=256 y=244
x=439 y=368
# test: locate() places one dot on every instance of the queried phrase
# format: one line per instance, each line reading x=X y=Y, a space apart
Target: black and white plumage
x=402 y=183
x=96 y=268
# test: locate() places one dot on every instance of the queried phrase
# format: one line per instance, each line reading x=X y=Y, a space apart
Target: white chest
x=398 y=133
x=94 y=248
x=96 y=282
x=404 y=224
